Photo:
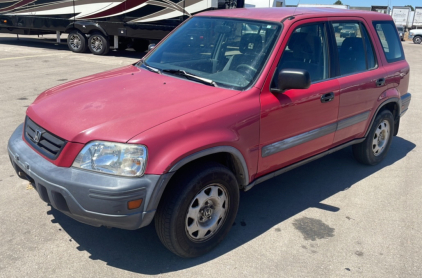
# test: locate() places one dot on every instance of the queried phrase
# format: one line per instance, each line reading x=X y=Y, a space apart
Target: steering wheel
x=246 y=70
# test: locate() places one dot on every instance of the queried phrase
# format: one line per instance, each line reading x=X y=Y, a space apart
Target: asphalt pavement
x=330 y=218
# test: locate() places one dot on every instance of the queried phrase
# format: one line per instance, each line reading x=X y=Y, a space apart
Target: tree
x=411 y=8
x=338 y=2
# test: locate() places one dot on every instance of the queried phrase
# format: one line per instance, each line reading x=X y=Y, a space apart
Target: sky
x=361 y=3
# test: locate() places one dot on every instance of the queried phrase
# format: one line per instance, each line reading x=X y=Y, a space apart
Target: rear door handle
x=327 y=97
x=380 y=82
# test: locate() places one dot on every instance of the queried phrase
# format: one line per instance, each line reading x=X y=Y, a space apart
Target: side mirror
x=151 y=47
x=292 y=79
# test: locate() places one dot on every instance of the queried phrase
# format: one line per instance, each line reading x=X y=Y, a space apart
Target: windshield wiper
x=148 y=67
x=191 y=76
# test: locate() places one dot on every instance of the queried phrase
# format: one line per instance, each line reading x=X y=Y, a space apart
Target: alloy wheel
x=96 y=44
x=75 y=42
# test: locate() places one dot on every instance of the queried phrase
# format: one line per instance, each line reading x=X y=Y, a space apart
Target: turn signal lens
x=134 y=204
x=5 y=21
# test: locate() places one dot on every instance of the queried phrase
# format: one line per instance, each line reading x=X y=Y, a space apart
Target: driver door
x=297 y=124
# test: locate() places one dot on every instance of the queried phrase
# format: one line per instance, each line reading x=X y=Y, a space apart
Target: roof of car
x=278 y=14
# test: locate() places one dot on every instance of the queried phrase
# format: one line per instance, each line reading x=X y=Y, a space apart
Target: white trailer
x=400 y=15
x=417 y=19
x=264 y=3
x=410 y=20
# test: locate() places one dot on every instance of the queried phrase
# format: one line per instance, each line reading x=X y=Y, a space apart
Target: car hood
x=119 y=104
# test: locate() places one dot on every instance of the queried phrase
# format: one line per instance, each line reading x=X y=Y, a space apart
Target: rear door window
x=390 y=40
x=354 y=47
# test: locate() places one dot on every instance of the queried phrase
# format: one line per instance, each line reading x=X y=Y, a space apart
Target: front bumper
x=92 y=198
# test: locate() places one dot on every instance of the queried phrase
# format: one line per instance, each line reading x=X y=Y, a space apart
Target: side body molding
x=240 y=161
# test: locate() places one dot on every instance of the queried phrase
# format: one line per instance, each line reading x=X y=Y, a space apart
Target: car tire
x=417 y=39
x=197 y=211
x=98 y=44
x=77 y=42
x=376 y=145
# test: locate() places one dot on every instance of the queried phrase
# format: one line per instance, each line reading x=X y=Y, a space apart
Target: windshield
x=223 y=52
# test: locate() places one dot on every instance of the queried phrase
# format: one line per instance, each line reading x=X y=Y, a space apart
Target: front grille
x=42 y=140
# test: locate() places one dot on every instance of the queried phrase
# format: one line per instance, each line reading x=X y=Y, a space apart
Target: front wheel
x=198 y=210
x=417 y=39
x=376 y=145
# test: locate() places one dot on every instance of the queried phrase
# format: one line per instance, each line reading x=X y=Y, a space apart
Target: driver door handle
x=327 y=97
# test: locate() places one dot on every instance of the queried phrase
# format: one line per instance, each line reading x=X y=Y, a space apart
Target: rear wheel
x=76 y=41
x=98 y=44
x=197 y=212
x=376 y=145
x=417 y=39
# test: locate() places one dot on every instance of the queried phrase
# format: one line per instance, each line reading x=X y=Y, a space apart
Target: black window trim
x=363 y=27
x=374 y=23
x=334 y=42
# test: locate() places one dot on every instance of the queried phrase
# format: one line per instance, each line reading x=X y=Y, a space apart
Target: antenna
x=294 y=12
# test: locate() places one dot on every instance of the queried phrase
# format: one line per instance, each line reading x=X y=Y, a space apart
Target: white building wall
x=264 y=3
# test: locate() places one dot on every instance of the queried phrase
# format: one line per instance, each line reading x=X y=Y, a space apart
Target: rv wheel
x=98 y=44
x=76 y=41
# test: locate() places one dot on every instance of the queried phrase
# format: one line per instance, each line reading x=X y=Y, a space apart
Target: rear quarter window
x=390 y=41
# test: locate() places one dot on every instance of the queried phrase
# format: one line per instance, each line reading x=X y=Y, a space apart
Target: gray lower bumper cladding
x=92 y=198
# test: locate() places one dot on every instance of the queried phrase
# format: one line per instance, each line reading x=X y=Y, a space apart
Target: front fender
x=232 y=124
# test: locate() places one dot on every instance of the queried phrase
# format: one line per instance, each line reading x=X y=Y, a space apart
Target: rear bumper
x=404 y=103
x=92 y=198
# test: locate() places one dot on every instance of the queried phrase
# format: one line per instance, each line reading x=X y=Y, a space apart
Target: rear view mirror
x=292 y=79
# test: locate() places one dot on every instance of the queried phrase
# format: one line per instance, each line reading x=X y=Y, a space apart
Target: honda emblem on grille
x=37 y=136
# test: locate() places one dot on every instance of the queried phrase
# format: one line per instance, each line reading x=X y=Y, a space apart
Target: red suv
x=230 y=99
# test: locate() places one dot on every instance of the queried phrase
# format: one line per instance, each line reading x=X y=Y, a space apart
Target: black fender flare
x=161 y=185
x=239 y=160
x=390 y=100
x=85 y=27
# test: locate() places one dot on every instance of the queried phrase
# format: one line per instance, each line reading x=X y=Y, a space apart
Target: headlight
x=113 y=158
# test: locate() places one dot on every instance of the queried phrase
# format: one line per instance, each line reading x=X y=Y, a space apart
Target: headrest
x=315 y=43
x=352 y=45
x=296 y=40
x=250 y=44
